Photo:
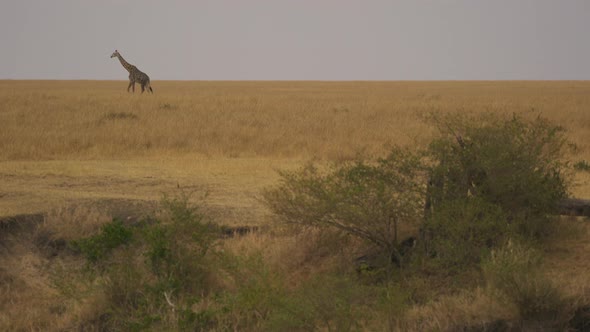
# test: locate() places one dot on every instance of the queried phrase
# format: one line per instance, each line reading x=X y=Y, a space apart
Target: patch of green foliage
x=370 y=200
x=177 y=247
x=325 y=302
x=111 y=236
x=491 y=179
x=166 y=267
x=513 y=163
x=464 y=231
x=582 y=165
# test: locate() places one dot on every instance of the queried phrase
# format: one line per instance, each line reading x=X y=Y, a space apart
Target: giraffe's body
x=135 y=75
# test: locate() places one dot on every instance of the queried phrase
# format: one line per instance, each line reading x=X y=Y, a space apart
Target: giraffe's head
x=116 y=53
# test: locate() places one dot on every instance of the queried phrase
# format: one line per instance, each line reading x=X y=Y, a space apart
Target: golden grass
x=68 y=140
x=328 y=120
x=467 y=309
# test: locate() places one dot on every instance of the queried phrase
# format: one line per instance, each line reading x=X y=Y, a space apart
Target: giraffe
x=135 y=75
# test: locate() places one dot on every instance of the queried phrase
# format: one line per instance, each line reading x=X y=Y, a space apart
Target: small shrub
x=177 y=247
x=169 y=255
x=111 y=236
x=391 y=305
x=119 y=116
x=263 y=299
x=515 y=164
x=189 y=320
x=582 y=165
x=463 y=231
x=369 y=200
x=324 y=303
x=256 y=293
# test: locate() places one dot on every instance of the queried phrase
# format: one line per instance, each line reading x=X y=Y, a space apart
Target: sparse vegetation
x=162 y=266
x=119 y=116
x=582 y=165
x=96 y=247
x=513 y=275
x=167 y=106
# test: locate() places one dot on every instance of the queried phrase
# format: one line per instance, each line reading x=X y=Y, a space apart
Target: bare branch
x=169 y=302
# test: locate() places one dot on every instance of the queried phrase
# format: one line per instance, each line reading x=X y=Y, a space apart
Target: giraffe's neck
x=125 y=64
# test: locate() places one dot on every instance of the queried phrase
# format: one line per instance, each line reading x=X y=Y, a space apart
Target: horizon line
x=302 y=80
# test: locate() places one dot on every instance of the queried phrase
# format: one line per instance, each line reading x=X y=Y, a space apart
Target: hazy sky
x=297 y=39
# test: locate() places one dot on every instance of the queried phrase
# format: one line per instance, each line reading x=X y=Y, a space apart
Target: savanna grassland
x=85 y=139
x=79 y=153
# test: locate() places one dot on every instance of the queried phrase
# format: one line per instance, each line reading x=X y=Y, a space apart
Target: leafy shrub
x=369 y=200
x=177 y=247
x=329 y=302
x=256 y=292
x=111 y=236
x=324 y=303
x=465 y=230
x=263 y=299
x=513 y=163
x=156 y=278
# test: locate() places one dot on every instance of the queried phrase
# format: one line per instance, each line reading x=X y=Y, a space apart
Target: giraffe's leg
x=129 y=86
x=142 y=88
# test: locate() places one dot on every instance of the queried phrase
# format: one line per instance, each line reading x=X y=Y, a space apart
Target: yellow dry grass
x=97 y=120
x=67 y=140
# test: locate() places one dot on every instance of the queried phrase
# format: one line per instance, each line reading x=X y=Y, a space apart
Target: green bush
x=464 y=231
x=133 y=304
x=514 y=163
x=257 y=291
x=334 y=303
x=263 y=299
x=111 y=236
x=370 y=200
x=153 y=281
x=177 y=246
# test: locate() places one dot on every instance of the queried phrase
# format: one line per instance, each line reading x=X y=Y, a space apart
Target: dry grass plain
x=67 y=140
x=76 y=143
